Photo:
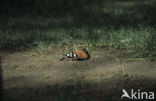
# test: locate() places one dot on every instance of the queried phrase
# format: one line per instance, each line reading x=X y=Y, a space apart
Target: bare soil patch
x=40 y=76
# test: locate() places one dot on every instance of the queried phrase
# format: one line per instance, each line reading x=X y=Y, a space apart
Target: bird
x=77 y=54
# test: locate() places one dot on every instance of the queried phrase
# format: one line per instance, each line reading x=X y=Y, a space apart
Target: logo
x=137 y=94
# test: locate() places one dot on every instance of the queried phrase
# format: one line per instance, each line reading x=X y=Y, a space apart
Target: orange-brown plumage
x=82 y=54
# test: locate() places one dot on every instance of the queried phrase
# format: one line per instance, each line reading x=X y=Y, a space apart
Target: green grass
x=121 y=38
x=118 y=25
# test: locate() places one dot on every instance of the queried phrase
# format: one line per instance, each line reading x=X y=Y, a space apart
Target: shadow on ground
x=1 y=83
x=108 y=90
x=71 y=13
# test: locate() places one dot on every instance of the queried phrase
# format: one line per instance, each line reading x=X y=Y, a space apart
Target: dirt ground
x=40 y=76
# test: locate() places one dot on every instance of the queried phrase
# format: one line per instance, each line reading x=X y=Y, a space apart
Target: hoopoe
x=78 y=54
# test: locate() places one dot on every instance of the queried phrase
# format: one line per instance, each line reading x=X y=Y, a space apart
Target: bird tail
x=62 y=59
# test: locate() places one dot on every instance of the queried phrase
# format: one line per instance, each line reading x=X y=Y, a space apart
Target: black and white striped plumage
x=71 y=55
